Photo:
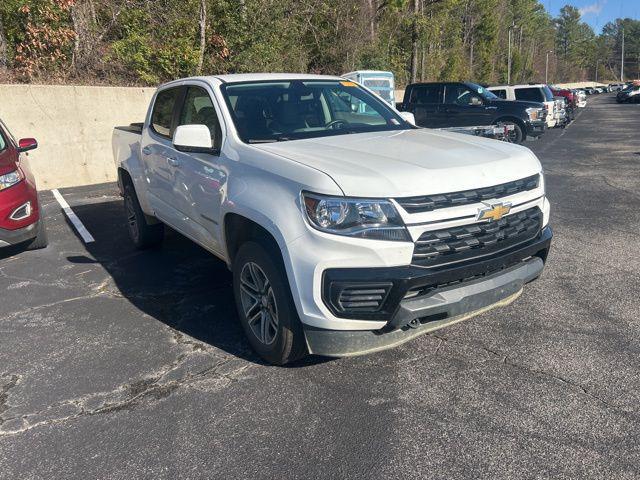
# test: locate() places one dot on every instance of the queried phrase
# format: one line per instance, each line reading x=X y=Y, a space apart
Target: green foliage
x=144 y=42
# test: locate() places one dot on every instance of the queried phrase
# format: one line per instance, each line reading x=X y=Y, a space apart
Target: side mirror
x=193 y=138
x=408 y=117
x=475 y=101
x=26 y=144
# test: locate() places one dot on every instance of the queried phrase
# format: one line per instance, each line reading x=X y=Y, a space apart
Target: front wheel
x=41 y=240
x=265 y=307
x=513 y=136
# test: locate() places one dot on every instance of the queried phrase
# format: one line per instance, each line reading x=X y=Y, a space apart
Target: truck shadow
x=179 y=284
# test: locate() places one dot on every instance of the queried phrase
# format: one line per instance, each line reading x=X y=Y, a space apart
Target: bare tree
x=4 y=61
x=83 y=16
x=417 y=8
x=414 y=41
x=203 y=34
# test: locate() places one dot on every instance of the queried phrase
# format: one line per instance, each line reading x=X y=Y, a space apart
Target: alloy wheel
x=259 y=303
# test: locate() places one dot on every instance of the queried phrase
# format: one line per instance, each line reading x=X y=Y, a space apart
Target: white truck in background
x=347 y=229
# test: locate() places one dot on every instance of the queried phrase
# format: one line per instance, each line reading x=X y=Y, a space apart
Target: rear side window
x=3 y=144
x=532 y=94
x=162 y=114
x=426 y=94
x=198 y=109
x=500 y=93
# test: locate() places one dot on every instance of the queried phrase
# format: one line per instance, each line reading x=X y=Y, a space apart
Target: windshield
x=483 y=92
x=275 y=111
x=547 y=93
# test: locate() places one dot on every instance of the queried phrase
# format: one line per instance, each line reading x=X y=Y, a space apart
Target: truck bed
x=131 y=128
x=125 y=143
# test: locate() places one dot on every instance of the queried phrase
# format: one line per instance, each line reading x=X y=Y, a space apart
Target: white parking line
x=73 y=218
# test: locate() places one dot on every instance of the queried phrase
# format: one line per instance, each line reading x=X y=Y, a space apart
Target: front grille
x=428 y=203
x=359 y=297
x=459 y=243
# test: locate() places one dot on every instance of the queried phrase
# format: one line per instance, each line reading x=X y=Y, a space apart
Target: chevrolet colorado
x=347 y=230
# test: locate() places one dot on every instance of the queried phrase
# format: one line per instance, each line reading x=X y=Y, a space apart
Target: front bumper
x=15 y=237
x=449 y=295
x=535 y=129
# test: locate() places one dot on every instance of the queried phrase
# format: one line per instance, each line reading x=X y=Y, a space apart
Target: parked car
x=629 y=95
x=563 y=117
x=464 y=104
x=571 y=100
x=346 y=233
x=21 y=221
x=581 y=97
x=530 y=93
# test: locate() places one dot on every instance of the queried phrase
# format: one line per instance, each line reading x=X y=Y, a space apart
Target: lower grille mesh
x=363 y=297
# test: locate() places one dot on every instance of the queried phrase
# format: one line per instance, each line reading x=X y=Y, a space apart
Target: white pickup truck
x=348 y=229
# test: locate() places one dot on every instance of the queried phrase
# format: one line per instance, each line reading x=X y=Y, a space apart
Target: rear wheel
x=266 y=310
x=141 y=233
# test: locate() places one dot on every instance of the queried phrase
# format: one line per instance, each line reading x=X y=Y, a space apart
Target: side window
x=530 y=94
x=3 y=144
x=162 y=114
x=426 y=94
x=500 y=93
x=198 y=109
x=460 y=95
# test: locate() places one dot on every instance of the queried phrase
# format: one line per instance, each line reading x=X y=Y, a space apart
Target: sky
x=597 y=12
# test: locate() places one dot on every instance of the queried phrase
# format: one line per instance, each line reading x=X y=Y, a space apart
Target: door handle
x=173 y=161
x=146 y=151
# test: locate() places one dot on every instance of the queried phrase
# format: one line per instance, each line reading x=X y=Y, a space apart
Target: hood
x=410 y=162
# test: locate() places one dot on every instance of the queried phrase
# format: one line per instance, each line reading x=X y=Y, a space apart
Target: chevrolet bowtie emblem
x=494 y=211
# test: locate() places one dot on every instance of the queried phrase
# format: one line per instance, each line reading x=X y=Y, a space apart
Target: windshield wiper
x=269 y=140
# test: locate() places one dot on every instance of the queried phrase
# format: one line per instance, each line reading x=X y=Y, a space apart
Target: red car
x=572 y=99
x=21 y=222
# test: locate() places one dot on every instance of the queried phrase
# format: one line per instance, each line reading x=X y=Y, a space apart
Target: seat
x=251 y=120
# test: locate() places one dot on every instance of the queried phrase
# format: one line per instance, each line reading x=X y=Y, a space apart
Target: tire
x=265 y=307
x=141 y=233
x=41 y=240
x=517 y=136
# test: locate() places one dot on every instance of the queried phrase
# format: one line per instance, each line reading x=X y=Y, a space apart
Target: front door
x=199 y=179
x=465 y=108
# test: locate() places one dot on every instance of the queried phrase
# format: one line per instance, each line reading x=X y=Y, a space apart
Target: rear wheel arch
x=124 y=178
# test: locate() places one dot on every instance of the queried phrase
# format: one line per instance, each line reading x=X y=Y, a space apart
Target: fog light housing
x=23 y=211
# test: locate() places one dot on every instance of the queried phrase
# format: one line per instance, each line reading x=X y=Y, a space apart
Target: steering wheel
x=333 y=124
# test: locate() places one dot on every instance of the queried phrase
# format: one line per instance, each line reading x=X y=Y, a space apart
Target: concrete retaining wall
x=73 y=126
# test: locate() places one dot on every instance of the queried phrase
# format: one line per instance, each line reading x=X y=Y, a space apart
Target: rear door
x=464 y=107
x=424 y=102
x=199 y=178
x=158 y=153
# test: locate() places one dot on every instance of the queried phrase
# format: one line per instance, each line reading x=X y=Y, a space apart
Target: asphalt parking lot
x=120 y=364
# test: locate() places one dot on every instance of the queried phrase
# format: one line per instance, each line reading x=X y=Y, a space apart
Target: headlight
x=534 y=113
x=9 y=179
x=355 y=217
